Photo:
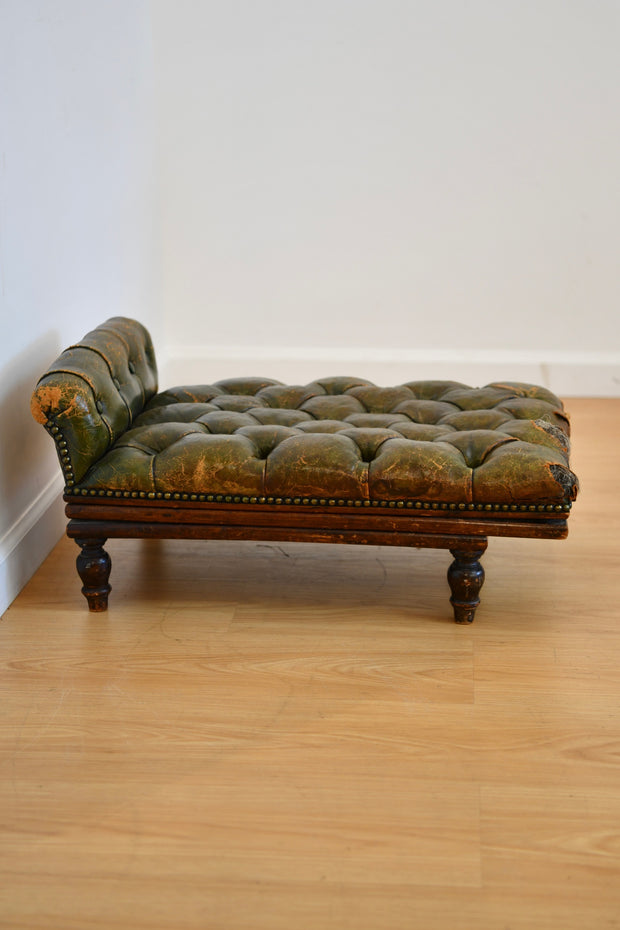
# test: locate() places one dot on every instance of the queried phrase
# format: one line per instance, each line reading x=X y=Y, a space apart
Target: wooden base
x=466 y=577
x=91 y=522
x=94 y=565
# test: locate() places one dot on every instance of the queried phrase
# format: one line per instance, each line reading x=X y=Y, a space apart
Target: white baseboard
x=29 y=540
x=568 y=374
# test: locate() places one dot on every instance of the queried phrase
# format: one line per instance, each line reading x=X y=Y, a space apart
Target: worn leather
x=336 y=439
x=94 y=390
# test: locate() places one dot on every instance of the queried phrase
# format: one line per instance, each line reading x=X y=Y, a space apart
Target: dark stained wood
x=196 y=511
x=94 y=565
x=329 y=519
x=93 y=520
x=466 y=577
x=78 y=528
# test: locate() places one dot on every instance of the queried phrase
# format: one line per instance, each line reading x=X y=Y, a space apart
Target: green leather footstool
x=340 y=460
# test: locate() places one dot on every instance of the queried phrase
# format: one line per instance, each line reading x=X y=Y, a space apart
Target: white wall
x=76 y=226
x=399 y=187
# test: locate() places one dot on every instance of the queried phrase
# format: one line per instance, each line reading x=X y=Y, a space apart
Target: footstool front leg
x=466 y=577
x=93 y=565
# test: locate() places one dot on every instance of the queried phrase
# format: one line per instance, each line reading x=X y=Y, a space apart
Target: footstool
x=340 y=460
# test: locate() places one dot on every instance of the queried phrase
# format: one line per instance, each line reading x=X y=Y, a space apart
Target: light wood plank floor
x=266 y=737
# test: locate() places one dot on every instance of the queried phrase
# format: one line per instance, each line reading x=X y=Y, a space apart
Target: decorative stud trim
x=319 y=501
x=62 y=449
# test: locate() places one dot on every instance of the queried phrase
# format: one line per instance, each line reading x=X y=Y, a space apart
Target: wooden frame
x=94 y=520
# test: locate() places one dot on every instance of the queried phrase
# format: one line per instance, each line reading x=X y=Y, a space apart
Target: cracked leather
x=341 y=437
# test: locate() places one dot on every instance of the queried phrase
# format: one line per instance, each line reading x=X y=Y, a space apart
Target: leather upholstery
x=93 y=391
x=336 y=440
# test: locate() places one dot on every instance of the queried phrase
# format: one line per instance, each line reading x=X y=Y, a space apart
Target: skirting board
x=27 y=543
x=567 y=374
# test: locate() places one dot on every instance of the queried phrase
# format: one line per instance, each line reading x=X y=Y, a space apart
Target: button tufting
x=433 y=445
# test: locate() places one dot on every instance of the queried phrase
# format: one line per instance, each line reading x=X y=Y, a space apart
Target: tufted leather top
x=336 y=440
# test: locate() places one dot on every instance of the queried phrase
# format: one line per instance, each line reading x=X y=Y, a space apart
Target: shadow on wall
x=29 y=471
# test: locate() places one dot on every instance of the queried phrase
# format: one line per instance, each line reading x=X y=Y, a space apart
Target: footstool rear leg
x=465 y=577
x=93 y=565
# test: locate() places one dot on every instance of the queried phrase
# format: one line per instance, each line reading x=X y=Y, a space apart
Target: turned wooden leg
x=465 y=576
x=93 y=565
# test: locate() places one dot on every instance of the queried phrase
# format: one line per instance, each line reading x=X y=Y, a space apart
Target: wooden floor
x=266 y=737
